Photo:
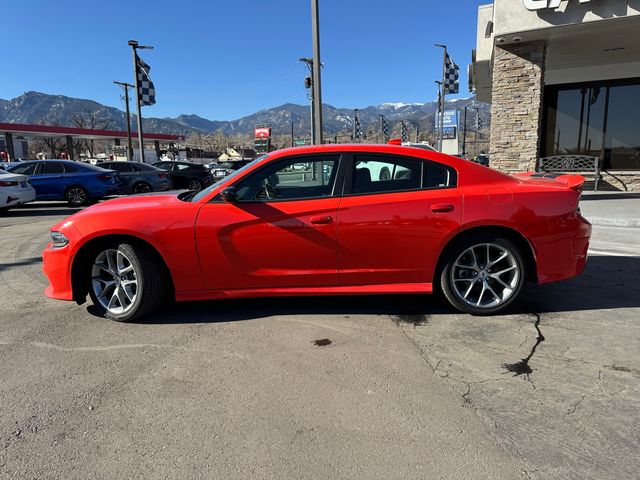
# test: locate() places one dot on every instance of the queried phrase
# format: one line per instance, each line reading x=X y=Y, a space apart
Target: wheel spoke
x=499 y=280
x=466 y=294
x=484 y=287
x=501 y=272
x=497 y=297
x=501 y=257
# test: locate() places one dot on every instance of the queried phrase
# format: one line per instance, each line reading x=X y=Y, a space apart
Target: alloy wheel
x=77 y=196
x=194 y=185
x=114 y=281
x=485 y=275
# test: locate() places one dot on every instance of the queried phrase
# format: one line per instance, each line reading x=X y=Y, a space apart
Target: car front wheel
x=126 y=281
x=483 y=275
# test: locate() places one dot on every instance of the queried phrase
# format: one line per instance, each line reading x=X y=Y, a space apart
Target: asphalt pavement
x=361 y=387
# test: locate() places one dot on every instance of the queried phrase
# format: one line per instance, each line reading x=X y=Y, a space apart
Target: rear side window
x=438 y=176
x=52 y=168
x=120 y=167
x=387 y=173
x=380 y=173
x=68 y=168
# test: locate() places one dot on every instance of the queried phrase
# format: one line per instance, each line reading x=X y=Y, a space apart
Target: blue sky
x=223 y=59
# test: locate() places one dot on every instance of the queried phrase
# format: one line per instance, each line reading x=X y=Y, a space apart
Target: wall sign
x=546 y=4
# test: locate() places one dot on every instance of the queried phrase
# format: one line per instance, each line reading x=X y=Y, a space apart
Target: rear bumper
x=564 y=255
x=16 y=197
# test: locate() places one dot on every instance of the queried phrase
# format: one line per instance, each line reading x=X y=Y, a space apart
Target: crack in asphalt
x=522 y=367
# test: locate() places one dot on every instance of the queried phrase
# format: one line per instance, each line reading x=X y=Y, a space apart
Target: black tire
x=149 y=273
x=142 y=187
x=76 y=196
x=4 y=210
x=475 y=281
x=194 y=184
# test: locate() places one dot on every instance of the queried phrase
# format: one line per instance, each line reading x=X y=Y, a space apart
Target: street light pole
x=126 y=86
x=477 y=127
x=442 y=95
x=134 y=46
x=464 y=134
x=317 y=90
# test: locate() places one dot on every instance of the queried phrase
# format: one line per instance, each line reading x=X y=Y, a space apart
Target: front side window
x=291 y=179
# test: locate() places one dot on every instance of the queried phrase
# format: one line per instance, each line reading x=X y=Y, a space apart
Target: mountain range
x=36 y=107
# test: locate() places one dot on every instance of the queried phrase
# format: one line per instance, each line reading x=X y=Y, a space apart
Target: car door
x=126 y=174
x=394 y=215
x=281 y=231
x=49 y=180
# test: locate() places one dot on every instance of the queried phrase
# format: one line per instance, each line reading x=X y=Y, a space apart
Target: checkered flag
x=451 y=76
x=384 y=126
x=146 y=90
x=403 y=132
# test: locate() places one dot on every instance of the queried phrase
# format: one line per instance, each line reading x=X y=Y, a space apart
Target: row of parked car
x=81 y=183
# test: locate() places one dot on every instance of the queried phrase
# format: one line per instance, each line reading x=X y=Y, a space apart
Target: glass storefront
x=601 y=119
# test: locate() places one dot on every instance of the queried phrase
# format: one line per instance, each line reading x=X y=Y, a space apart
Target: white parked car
x=15 y=190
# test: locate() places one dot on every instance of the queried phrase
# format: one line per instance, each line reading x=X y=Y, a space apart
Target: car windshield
x=206 y=191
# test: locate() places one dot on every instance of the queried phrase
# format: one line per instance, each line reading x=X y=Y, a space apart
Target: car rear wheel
x=194 y=184
x=126 y=281
x=142 y=188
x=483 y=275
x=76 y=196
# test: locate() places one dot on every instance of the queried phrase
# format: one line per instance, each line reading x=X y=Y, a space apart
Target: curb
x=614 y=222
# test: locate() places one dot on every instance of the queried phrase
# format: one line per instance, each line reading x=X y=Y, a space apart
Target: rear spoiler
x=570 y=180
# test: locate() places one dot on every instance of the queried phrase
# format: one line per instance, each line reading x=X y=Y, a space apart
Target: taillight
x=4 y=183
x=163 y=175
x=105 y=176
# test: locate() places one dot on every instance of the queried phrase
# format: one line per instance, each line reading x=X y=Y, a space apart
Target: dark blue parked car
x=136 y=177
x=77 y=183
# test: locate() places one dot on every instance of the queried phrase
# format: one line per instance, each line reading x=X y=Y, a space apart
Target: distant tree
x=89 y=121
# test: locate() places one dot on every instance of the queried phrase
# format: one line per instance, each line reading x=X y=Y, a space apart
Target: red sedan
x=329 y=220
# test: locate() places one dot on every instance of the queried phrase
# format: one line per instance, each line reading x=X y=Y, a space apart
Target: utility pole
x=126 y=86
x=308 y=84
x=135 y=46
x=292 y=140
x=464 y=133
x=354 y=134
x=442 y=100
x=317 y=90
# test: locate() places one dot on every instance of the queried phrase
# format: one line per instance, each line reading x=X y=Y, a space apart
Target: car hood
x=133 y=205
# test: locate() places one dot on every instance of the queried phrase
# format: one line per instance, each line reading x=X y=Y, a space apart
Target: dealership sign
x=546 y=4
x=262 y=132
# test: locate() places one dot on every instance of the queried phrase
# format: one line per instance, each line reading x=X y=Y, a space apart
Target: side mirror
x=229 y=195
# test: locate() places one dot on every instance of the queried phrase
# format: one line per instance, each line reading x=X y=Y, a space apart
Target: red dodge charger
x=328 y=220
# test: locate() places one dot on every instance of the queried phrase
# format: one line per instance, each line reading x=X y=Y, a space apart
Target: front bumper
x=56 y=265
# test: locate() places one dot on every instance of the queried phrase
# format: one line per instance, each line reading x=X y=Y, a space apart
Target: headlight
x=58 y=239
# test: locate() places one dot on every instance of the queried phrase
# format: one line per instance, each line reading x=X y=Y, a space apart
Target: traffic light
x=307 y=82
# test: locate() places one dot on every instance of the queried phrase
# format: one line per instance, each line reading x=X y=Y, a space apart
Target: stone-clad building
x=562 y=77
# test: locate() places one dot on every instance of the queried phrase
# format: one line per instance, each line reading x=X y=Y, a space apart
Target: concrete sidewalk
x=611 y=209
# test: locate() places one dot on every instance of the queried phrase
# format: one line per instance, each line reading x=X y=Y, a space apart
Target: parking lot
x=361 y=387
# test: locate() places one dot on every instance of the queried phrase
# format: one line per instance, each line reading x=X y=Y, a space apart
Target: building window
x=600 y=119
